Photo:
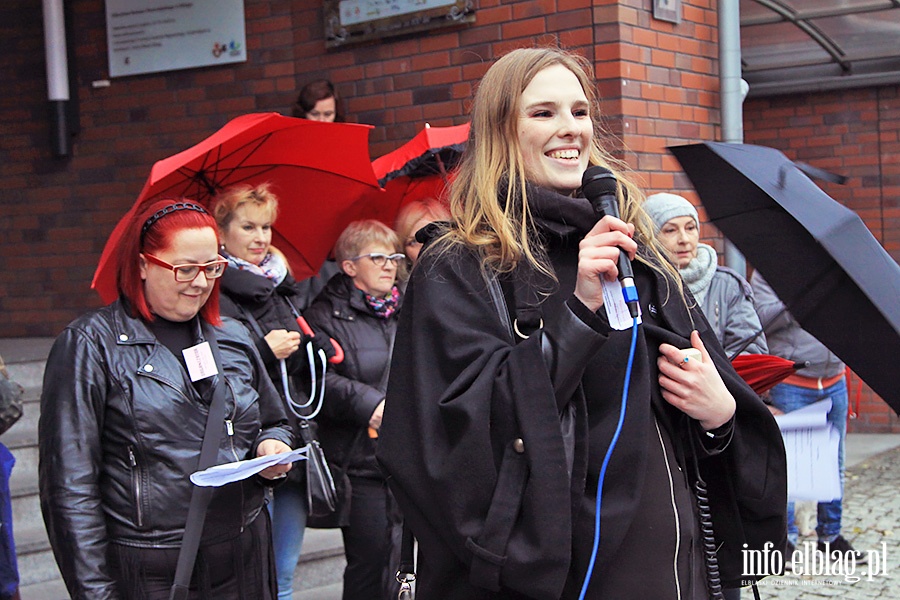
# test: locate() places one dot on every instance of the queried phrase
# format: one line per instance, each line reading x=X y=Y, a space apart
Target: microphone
x=599 y=186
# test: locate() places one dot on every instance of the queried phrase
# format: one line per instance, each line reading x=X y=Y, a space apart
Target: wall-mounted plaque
x=149 y=36
x=351 y=21
x=667 y=10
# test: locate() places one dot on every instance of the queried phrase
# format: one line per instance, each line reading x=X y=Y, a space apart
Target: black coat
x=462 y=392
x=354 y=387
x=261 y=306
x=120 y=433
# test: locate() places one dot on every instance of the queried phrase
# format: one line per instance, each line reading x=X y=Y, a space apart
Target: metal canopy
x=790 y=46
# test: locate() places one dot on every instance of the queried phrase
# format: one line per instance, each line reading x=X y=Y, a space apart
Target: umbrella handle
x=338 y=351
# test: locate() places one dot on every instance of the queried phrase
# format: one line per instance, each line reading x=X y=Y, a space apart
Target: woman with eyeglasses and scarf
x=359 y=309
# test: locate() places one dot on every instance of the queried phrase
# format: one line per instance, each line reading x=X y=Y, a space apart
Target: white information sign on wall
x=360 y=11
x=149 y=36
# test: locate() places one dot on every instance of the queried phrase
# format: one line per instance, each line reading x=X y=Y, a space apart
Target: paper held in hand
x=236 y=471
x=811 y=445
x=616 y=309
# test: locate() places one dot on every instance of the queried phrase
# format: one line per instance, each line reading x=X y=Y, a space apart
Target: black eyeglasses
x=381 y=259
x=188 y=272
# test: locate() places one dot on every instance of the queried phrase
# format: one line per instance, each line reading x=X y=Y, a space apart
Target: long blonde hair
x=498 y=222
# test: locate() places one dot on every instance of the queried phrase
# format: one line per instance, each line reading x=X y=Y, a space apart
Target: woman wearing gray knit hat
x=724 y=296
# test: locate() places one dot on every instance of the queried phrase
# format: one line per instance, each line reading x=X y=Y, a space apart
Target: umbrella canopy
x=433 y=151
x=818 y=256
x=419 y=169
x=317 y=170
x=384 y=205
x=763 y=371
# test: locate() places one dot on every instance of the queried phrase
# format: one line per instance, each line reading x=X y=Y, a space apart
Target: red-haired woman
x=123 y=414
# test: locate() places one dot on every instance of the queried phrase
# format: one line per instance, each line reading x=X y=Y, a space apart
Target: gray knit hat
x=662 y=208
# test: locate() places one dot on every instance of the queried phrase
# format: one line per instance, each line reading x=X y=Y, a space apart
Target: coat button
x=518 y=445
x=148 y=368
x=123 y=338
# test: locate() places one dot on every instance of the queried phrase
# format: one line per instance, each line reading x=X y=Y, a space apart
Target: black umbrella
x=818 y=256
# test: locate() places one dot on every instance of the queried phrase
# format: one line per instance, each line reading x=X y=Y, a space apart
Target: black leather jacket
x=120 y=433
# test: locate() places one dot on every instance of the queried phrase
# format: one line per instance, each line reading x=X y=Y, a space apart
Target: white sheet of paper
x=616 y=309
x=200 y=362
x=236 y=471
x=811 y=445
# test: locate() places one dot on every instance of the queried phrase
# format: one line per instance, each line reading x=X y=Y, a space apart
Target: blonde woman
x=259 y=290
x=507 y=379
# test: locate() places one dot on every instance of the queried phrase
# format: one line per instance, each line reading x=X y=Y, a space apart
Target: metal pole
x=732 y=94
x=57 y=75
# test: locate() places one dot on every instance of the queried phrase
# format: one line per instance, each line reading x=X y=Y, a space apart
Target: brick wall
x=658 y=84
x=657 y=81
x=855 y=133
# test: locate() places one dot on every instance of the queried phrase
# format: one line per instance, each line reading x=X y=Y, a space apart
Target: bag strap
x=517 y=304
x=200 y=496
x=406 y=572
x=498 y=299
x=257 y=328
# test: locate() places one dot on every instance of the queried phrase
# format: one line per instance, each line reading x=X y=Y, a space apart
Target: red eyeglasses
x=188 y=272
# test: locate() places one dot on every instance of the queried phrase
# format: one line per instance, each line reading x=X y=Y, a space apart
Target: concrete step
x=25 y=431
x=29 y=374
x=35 y=558
x=321 y=560
x=24 y=476
x=327 y=592
x=36 y=568
x=54 y=589
x=318 y=576
x=26 y=512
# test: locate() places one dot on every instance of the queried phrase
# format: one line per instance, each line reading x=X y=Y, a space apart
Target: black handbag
x=321 y=497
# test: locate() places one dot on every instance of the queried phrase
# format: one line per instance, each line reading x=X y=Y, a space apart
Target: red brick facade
x=658 y=82
x=855 y=133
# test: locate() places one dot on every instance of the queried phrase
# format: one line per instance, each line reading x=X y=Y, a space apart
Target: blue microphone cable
x=609 y=451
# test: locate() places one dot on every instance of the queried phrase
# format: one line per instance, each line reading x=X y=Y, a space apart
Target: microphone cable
x=707 y=535
x=606 y=459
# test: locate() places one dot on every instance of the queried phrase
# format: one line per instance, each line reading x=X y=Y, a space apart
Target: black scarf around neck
x=560 y=216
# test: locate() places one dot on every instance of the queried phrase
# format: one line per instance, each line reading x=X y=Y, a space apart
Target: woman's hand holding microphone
x=597 y=257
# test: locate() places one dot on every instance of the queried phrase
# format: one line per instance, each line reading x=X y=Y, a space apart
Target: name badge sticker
x=200 y=361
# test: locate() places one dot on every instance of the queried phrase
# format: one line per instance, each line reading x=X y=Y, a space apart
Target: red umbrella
x=318 y=171
x=763 y=371
x=433 y=151
x=419 y=169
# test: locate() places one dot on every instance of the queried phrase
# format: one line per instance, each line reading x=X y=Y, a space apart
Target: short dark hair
x=312 y=92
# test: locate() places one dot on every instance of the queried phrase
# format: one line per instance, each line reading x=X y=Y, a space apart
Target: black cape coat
x=467 y=406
